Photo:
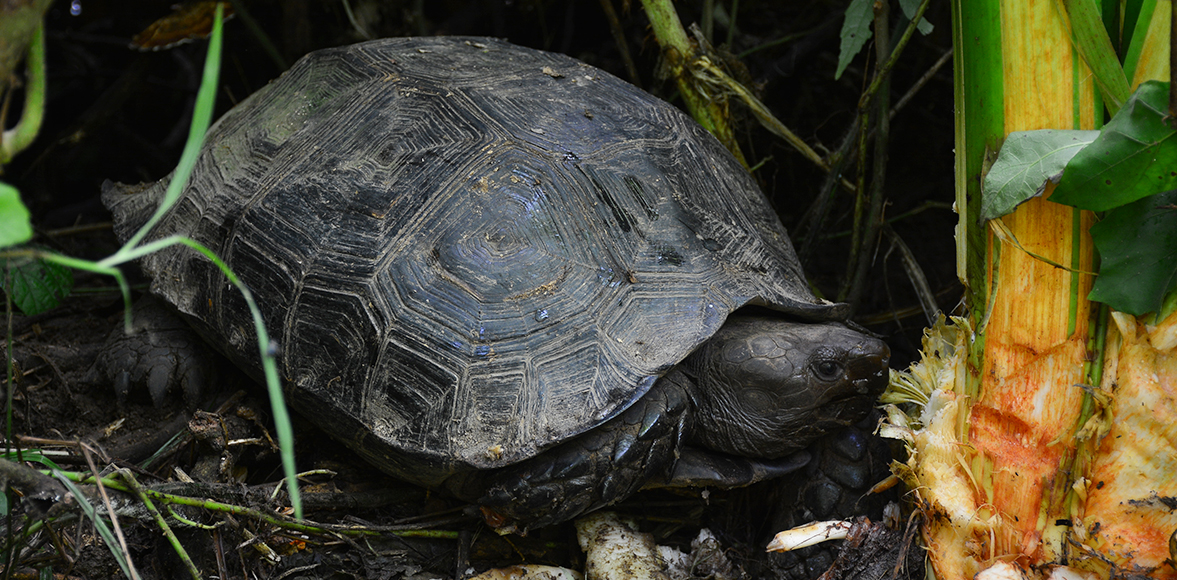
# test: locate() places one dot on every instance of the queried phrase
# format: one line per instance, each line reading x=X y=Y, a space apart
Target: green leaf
x=1094 y=44
x=15 y=227
x=37 y=285
x=909 y=7
x=1137 y=245
x=1026 y=161
x=1134 y=156
x=856 y=30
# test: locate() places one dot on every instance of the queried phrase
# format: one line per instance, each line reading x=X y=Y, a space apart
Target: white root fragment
x=615 y=550
x=529 y=572
x=808 y=535
x=1002 y=570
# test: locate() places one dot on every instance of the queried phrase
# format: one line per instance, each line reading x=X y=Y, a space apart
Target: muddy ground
x=119 y=114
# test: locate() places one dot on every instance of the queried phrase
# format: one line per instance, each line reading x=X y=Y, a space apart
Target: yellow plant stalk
x=1131 y=509
x=1123 y=526
x=1014 y=460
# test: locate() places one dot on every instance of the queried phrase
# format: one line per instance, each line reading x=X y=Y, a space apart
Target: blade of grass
x=99 y=525
x=131 y=250
x=206 y=98
x=201 y=119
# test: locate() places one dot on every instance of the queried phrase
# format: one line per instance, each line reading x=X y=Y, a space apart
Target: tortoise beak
x=867 y=367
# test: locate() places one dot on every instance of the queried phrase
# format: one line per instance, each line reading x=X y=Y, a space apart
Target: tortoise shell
x=467 y=251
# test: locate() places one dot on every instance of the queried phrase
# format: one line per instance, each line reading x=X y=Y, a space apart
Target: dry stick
x=944 y=58
x=619 y=39
x=915 y=275
x=815 y=216
x=114 y=518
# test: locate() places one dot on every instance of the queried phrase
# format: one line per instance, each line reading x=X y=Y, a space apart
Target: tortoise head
x=766 y=388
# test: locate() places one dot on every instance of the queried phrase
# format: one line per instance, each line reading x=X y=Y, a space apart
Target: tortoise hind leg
x=160 y=353
x=596 y=469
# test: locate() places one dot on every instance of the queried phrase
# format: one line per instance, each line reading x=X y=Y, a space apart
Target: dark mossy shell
x=468 y=251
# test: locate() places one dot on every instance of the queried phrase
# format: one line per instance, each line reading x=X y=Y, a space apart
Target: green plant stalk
x=1138 y=34
x=1094 y=44
x=253 y=513
x=881 y=103
x=126 y=475
x=868 y=205
x=680 y=54
x=731 y=25
x=99 y=525
x=859 y=203
x=18 y=138
x=885 y=70
x=980 y=119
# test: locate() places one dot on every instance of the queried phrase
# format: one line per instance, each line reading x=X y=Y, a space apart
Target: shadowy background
x=122 y=114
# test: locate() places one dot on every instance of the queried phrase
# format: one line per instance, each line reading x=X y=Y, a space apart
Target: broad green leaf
x=36 y=285
x=15 y=227
x=1134 y=156
x=1137 y=244
x=1026 y=161
x=909 y=7
x=856 y=30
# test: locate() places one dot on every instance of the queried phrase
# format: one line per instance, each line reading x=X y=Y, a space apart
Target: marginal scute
x=467 y=259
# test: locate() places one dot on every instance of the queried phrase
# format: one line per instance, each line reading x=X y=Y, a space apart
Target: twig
x=114 y=520
x=915 y=274
x=863 y=250
x=915 y=88
x=885 y=70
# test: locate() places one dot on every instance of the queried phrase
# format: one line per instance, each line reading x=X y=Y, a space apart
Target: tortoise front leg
x=596 y=469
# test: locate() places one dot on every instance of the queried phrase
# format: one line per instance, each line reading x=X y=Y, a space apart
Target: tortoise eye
x=827 y=370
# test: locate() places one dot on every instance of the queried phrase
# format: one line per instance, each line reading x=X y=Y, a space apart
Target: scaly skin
x=741 y=409
x=160 y=353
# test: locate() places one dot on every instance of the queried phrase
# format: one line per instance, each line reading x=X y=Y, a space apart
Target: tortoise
x=507 y=273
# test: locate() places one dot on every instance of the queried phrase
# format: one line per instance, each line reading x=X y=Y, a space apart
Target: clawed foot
x=594 y=470
x=161 y=352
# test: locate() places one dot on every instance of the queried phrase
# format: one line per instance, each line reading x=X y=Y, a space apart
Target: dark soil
x=115 y=113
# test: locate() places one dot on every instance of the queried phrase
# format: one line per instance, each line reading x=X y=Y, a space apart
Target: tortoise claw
x=160 y=354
